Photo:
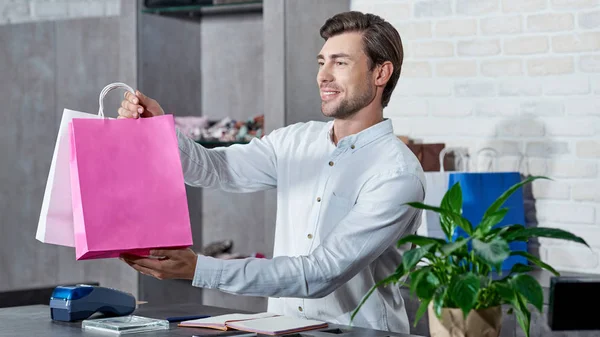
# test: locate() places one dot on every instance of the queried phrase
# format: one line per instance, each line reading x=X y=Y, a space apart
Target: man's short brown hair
x=381 y=42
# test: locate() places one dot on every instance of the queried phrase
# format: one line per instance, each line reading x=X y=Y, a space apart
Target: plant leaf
x=490 y=221
x=463 y=291
x=554 y=233
x=493 y=252
x=419 y=240
x=502 y=198
x=523 y=315
x=438 y=300
x=527 y=286
x=454 y=217
x=395 y=277
x=503 y=231
x=452 y=200
x=413 y=256
x=428 y=285
x=416 y=277
x=451 y=247
x=506 y=292
x=421 y=311
x=536 y=261
x=519 y=268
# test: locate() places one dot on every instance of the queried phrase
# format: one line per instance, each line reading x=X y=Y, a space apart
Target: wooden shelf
x=204 y=10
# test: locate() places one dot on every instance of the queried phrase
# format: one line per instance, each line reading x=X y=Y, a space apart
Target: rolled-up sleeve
x=376 y=221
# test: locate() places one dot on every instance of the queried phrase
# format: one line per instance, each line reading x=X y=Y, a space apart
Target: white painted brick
x=573 y=4
x=546 y=148
x=596 y=84
x=590 y=63
x=15 y=12
x=423 y=87
x=520 y=127
x=576 y=42
x=553 y=22
x=510 y=67
x=450 y=107
x=426 y=128
x=586 y=191
x=591 y=234
x=388 y=10
x=537 y=167
x=505 y=148
x=501 y=25
x=85 y=9
x=475 y=89
x=413 y=30
x=523 y=5
x=416 y=69
x=587 y=106
x=569 y=127
x=565 y=213
x=589 y=20
x=491 y=108
x=112 y=7
x=478 y=47
x=567 y=85
x=588 y=149
x=476 y=7
x=432 y=8
x=548 y=189
x=402 y=106
x=520 y=87
x=449 y=28
x=44 y=9
x=526 y=45
x=433 y=49
x=573 y=169
x=572 y=259
x=542 y=108
x=476 y=127
x=459 y=68
x=550 y=66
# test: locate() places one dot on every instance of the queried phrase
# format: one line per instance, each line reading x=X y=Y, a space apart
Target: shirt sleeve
x=237 y=168
x=375 y=222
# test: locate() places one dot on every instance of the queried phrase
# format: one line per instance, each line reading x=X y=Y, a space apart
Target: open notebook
x=262 y=323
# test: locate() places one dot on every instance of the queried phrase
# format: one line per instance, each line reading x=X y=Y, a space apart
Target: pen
x=185 y=318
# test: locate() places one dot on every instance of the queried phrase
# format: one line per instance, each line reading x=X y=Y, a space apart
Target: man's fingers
x=145 y=270
x=131 y=98
x=126 y=113
x=163 y=252
x=143 y=261
x=133 y=108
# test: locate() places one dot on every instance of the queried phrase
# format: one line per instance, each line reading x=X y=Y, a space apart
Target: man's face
x=344 y=79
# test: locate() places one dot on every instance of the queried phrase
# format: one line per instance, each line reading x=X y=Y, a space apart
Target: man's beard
x=350 y=106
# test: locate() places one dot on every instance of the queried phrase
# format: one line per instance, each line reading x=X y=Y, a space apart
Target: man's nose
x=324 y=75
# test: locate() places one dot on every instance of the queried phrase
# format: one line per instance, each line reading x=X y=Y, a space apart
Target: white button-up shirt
x=340 y=211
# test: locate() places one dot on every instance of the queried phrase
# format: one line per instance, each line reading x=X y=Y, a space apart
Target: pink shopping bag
x=127 y=187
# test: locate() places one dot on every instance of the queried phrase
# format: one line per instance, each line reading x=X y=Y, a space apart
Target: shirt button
x=309 y=236
x=330 y=163
x=352 y=147
x=318 y=199
x=300 y=309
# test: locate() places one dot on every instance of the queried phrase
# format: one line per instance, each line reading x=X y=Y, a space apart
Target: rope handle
x=108 y=89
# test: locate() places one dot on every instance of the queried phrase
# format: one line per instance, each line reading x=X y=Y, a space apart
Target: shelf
x=210 y=145
x=203 y=10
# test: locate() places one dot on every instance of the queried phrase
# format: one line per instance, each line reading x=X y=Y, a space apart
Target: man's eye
x=340 y=63
x=320 y=64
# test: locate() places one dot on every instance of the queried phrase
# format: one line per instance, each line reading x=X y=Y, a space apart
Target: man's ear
x=383 y=73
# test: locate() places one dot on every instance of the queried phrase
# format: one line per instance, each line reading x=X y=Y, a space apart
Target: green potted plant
x=460 y=288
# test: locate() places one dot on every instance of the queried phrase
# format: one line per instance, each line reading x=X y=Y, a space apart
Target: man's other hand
x=165 y=263
x=139 y=105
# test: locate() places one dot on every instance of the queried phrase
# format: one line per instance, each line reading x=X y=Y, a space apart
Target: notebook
x=262 y=323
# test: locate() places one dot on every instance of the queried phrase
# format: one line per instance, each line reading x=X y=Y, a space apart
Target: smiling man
x=341 y=190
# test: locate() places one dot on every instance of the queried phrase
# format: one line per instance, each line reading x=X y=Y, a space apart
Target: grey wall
x=46 y=67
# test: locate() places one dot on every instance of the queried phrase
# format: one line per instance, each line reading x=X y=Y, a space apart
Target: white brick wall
x=521 y=76
x=20 y=11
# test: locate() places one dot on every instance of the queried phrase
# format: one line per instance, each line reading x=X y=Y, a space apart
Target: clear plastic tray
x=125 y=324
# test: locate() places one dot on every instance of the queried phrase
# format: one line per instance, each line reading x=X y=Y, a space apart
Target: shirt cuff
x=208 y=272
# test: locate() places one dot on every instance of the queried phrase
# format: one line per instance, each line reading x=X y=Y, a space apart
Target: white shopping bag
x=55 y=225
x=437 y=186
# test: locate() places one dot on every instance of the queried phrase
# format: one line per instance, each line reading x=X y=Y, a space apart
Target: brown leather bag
x=429 y=156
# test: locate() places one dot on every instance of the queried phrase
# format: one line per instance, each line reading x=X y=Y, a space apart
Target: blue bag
x=479 y=191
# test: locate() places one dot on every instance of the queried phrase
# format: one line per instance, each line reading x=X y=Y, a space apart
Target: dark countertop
x=35 y=321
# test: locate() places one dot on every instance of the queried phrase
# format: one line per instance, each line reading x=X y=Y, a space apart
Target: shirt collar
x=362 y=138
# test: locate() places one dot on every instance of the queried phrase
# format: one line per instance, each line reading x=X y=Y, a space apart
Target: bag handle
x=492 y=162
x=456 y=150
x=108 y=89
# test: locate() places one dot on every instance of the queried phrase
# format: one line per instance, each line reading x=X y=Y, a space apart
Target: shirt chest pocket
x=337 y=208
